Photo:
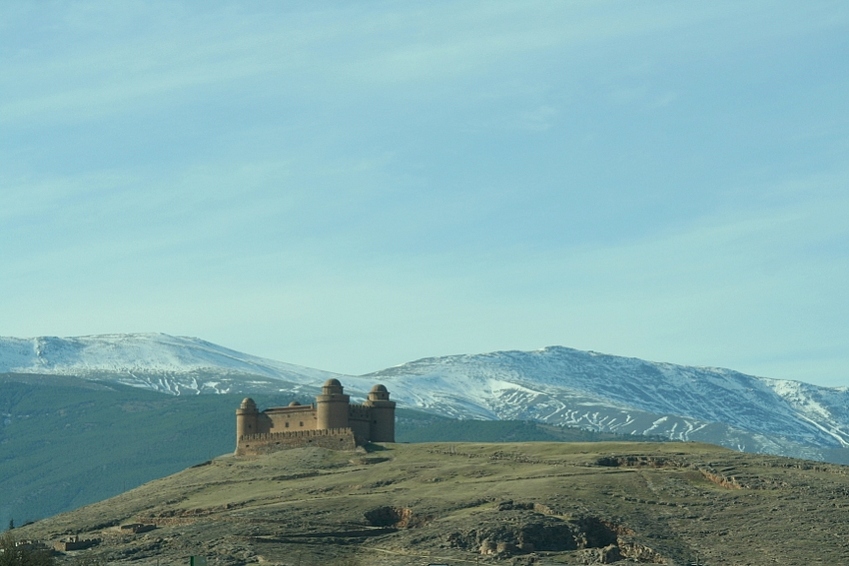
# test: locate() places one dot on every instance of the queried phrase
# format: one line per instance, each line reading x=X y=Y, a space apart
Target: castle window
x=287 y=424
x=301 y=423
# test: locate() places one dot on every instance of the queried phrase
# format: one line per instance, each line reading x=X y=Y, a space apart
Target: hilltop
x=62 y=431
x=459 y=503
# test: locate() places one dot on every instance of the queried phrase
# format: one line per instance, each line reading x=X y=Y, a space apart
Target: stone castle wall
x=359 y=412
x=286 y=419
x=334 y=439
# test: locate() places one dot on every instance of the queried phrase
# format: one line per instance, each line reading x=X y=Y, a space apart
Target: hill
x=61 y=432
x=459 y=503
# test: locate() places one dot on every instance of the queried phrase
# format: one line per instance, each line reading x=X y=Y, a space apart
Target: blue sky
x=350 y=186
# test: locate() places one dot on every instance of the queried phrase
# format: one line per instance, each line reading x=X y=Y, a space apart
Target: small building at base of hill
x=74 y=543
x=331 y=422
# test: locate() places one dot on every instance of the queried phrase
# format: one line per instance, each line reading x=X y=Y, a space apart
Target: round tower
x=246 y=418
x=382 y=412
x=331 y=407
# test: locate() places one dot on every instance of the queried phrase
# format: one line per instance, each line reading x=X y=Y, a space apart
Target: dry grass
x=442 y=503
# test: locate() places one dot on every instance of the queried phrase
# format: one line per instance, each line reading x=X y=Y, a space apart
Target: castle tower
x=331 y=406
x=382 y=415
x=247 y=417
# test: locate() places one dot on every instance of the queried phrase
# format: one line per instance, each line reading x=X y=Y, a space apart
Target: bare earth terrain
x=464 y=503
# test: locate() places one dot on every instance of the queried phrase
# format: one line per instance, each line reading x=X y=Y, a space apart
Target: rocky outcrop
x=517 y=528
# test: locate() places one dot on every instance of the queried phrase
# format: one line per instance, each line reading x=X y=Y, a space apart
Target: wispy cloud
x=656 y=180
x=153 y=53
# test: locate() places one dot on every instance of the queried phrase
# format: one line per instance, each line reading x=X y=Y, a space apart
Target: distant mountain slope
x=555 y=385
x=170 y=364
x=66 y=442
x=631 y=396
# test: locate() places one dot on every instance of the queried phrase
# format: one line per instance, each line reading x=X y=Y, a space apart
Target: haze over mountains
x=555 y=385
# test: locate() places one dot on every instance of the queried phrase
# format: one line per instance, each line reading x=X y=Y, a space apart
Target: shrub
x=16 y=553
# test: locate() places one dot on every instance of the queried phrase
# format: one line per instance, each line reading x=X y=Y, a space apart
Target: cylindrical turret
x=246 y=419
x=331 y=407
x=382 y=412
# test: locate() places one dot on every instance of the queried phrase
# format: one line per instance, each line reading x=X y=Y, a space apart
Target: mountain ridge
x=139 y=359
x=553 y=385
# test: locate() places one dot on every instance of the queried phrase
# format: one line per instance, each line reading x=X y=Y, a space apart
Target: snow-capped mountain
x=170 y=364
x=555 y=385
x=563 y=386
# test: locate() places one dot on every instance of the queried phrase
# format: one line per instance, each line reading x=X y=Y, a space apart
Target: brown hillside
x=463 y=503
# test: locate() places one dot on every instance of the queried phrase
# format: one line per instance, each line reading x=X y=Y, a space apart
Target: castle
x=332 y=422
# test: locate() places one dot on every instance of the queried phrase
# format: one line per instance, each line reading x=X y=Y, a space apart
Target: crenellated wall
x=334 y=439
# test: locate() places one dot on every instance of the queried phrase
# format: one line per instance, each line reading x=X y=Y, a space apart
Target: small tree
x=11 y=524
x=13 y=554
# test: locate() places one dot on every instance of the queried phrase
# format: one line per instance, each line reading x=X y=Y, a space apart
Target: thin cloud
x=398 y=180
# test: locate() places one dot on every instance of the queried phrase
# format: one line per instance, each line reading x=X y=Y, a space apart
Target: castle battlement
x=296 y=434
x=332 y=422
